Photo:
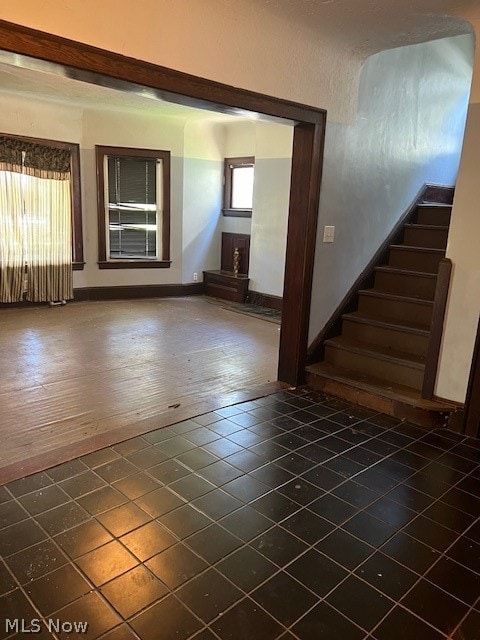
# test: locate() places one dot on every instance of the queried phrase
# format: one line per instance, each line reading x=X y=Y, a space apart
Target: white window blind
x=134 y=204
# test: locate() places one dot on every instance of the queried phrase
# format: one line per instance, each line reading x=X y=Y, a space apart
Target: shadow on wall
x=202 y=202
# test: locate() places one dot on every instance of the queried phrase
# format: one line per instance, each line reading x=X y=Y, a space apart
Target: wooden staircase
x=379 y=358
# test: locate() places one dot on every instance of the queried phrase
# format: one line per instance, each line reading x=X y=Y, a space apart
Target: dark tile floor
x=293 y=516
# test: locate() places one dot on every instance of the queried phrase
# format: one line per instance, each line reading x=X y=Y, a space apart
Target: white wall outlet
x=328 y=234
x=195 y=277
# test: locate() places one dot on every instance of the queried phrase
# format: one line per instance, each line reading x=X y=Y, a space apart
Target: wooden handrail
x=436 y=328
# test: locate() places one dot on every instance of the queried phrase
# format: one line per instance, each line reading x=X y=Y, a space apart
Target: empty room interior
x=99 y=363
x=240 y=320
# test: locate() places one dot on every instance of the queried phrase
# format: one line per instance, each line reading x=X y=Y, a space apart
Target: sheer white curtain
x=11 y=236
x=35 y=221
x=48 y=237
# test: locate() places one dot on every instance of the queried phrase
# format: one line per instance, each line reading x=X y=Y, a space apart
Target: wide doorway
x=303 y=195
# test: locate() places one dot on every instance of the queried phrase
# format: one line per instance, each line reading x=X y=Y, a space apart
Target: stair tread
x=394 y=296
x=383 y=353
x=409 y=247
x=378 y=386
x=434 y=205
x=387 y=269
x=437 y=227
x=389 y=323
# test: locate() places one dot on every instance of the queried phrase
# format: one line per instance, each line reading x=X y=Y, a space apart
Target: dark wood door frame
x=90 y=64
x=472 y=402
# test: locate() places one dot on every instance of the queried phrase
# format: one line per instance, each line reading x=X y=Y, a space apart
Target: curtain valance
x=35 y=159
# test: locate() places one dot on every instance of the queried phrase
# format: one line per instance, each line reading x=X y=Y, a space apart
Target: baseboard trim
x=127 y=292
x=265 y=300
x=123 y=292
x=24 y=304
x=332 y=328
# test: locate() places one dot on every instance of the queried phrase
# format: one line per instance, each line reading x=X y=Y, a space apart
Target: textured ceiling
x=368 y=26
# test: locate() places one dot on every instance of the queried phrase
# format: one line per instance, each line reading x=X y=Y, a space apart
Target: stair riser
x=378 y=402
x=395 y=309
x=414 y=260
x=440 y=217
x=405 y=284
x=383 y=337
x=433 y=238
x=408 y=376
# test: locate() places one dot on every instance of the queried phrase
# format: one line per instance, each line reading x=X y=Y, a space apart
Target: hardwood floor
x=79 y=377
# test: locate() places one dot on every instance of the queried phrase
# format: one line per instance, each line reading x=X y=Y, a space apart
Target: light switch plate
x=328 y=234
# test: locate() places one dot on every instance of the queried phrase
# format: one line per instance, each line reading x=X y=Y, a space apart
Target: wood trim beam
x=82 y=62
x=308 y=144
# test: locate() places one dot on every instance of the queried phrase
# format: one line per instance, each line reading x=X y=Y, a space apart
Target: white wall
x=271 y=144
x=273 y=163
x=408 y=131
x=40 y=119
x=202 y=197
x=463 y=249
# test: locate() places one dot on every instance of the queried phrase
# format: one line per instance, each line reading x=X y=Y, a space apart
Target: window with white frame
x=134 y=211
